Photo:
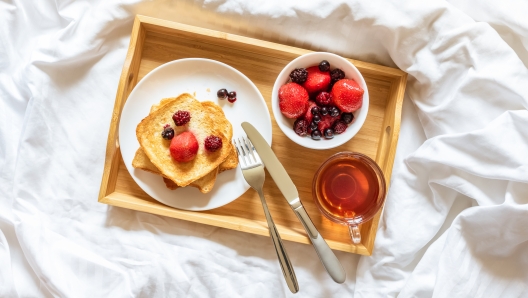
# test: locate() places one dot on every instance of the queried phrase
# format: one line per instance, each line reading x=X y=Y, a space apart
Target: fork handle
x=284 y=260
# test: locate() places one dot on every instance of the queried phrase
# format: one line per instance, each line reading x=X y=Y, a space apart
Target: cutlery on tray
x=253 y=171
x=288 y=189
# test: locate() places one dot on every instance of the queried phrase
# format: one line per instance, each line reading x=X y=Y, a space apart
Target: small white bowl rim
x=322 y=144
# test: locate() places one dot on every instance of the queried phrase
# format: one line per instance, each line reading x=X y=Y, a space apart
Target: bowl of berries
x=320 y=100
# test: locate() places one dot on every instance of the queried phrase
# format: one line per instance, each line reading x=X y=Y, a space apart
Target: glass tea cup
x=349 y=189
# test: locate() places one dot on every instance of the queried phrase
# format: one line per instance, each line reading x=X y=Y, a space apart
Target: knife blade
x=290 y=193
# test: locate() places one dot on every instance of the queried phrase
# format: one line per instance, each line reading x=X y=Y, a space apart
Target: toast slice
x=202 y=124
x=206 y=183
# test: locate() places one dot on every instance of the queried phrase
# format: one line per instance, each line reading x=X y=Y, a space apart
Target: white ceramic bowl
x=286 y=124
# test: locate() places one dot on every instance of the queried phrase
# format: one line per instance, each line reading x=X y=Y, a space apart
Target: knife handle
x=326 y=255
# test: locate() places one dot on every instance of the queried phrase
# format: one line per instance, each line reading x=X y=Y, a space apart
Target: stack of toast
x=207 y=119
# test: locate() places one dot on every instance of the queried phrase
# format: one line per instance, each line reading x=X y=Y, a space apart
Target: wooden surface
x=155 y=42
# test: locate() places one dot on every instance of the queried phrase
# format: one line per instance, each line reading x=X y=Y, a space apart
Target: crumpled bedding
x=456 y=213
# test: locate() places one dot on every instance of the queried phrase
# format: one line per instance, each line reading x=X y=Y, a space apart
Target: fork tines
x=246 y=152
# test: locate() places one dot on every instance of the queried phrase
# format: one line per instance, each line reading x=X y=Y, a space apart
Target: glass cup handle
x=354 y=233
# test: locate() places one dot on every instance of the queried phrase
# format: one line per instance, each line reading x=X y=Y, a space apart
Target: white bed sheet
x=456 y=214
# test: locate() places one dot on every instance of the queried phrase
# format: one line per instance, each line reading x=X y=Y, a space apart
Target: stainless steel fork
x=253 y=171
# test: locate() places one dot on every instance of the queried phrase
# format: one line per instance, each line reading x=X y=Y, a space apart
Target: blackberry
x=299 y=75
x=324 y=66
x=301 y=127
x=212 y=143
x=347 y=117
x=181 y=118
x=167 y=133
x=336 y=74
x=340 y=127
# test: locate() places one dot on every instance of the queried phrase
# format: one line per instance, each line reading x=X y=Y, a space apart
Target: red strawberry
x=183 y=147
x=347 y=95
x=317 y=80
x=327 y=121
x=308 y=116
x=293 y=100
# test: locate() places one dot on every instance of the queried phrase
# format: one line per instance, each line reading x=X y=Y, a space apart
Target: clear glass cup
x=349 y=189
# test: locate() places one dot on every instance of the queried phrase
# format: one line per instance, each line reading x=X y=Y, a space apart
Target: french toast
x=206 y=183
x=202 y=124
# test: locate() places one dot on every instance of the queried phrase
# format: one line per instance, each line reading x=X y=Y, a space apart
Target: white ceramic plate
x=203 y=78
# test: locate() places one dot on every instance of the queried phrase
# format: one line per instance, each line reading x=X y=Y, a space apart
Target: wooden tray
x=155 y=42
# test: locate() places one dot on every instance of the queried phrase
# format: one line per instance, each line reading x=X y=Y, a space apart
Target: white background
x=455 y=219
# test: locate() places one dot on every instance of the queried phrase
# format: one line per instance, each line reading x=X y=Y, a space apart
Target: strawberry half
x=317 y=80
x=184 y=147
x=293 y=100
x=347 y=95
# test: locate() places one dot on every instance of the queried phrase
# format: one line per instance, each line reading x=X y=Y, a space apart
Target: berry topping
x=340 y=127
x=300 y=127
x=337 y=74
x=347 y=95
x=347 y=117
x=316 y=134
x=292 y=100
x=315 y=110
x=324 y=66
x=222 y=93
x=213 y=143
x=183 y=147
x=323 y=98
x=299 y=75
x=316 y=119
x=317 y=80
x=329 y=133
x=181 y=118
x=167 y=133
x=334 y=112
x=324 y=111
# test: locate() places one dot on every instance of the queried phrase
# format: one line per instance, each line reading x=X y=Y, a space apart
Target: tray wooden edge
x=128 y=79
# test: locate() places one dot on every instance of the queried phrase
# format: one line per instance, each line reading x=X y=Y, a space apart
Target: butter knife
x=289 y=191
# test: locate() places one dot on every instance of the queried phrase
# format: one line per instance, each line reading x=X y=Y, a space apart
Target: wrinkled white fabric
x=455 y=218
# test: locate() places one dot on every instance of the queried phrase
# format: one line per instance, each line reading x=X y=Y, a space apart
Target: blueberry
x=222 y=93
x=316 y=119
x=315 y=111
x=231 y=95
x=316 y=134
x=313 y=126
x=334 y=112
x=324 y=111
x=324 y=66
x=347 y=117
x=167 y=133
x=329 y=133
